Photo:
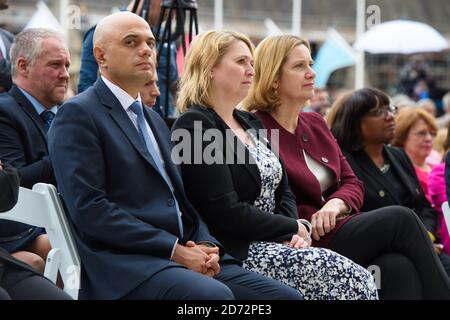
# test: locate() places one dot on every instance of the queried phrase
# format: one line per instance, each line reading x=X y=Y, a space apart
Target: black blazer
x=9 y=188
x=378 y=192
x=224 y=193
x=23 y=141
x=9 y=191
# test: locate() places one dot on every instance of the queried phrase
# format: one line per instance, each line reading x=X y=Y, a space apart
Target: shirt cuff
x=173 y=249
x=207 y=244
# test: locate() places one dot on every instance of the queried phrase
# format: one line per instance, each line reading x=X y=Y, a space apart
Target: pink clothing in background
x=436 y=189
x=433 y=159
x=423 y=177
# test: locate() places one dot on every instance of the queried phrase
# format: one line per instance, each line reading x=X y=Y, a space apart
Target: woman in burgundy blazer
x=390 y=240
x=313 y=136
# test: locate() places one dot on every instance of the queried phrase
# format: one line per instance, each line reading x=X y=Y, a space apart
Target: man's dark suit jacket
x=224 y=193
x=23 y=141
x=5 y=64
x=122 y=210
x=23 y=145
x=378 y=192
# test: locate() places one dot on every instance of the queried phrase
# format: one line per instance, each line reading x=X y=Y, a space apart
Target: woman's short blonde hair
x=441 y=142
x=204 y=53
x=270 y=56
x=408 y=117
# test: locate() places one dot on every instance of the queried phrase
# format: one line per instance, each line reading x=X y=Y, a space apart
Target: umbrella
x=401 y=36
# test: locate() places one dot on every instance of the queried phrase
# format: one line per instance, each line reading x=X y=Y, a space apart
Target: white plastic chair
x=42 y=207
x=446 y=213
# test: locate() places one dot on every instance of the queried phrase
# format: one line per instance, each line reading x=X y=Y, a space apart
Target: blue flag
x=334 y=54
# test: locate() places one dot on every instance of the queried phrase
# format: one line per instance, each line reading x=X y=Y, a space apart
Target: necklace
x=385 y=167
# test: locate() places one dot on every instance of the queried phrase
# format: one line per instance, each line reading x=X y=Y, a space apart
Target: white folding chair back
x=446 y=213
x=42 y=207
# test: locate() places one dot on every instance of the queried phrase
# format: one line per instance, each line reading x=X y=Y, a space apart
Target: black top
x=381 y=191
x=399 y=189
x=9 y=191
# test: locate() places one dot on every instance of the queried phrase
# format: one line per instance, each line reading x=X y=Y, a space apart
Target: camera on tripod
x=179 y=8
x=169 y=30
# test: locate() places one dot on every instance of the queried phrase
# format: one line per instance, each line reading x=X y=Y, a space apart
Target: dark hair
x=349 y=111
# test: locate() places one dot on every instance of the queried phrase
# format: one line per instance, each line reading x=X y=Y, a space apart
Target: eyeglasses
x=424 y=133
x=383 y=111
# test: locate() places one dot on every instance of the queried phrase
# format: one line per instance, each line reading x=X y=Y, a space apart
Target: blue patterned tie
x=136 y=107
x=47 y=116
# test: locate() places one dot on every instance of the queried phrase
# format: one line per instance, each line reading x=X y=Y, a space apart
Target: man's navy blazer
x=23 y=141
x=121 y=208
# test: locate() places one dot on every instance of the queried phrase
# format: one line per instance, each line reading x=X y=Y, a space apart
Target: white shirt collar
x=124 y=98
x=36 y=104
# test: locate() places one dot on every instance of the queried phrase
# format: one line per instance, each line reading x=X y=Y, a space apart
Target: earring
x=211 y=77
